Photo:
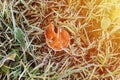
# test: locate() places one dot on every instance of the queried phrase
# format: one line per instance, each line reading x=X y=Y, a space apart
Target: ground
x=92 y=54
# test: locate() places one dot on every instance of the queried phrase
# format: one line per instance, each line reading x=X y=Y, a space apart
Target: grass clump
x=94 y=50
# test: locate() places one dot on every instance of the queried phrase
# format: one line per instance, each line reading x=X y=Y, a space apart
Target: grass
x=94 y=50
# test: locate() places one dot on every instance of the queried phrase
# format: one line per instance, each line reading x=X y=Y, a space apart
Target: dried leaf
x=8 y=57
x=105 y=23
x=5 y=69
x=115 y=13
x=115 y=29
x=57 y=38
x=19 y=35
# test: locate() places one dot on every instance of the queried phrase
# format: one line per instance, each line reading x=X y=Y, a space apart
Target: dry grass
x=94 y=50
